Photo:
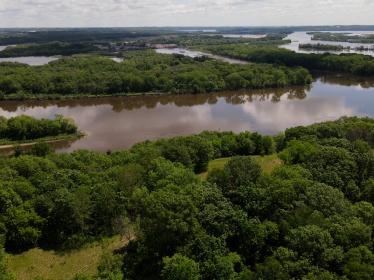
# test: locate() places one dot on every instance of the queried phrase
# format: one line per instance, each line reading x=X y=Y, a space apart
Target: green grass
x=53 y=265
x=267 y=163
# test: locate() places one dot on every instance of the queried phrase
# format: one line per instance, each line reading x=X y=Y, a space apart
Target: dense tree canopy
x=48 y=49
x=343 y=37
x=311 y=218
x=143 y=71
x=347 y=63
x=28 y=128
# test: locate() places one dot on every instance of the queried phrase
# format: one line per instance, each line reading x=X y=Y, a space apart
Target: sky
x=124 y=13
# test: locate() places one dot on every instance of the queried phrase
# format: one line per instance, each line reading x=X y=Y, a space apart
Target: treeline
x=312 y=218
x=192 y=40
x=48 y=49
x=322 y=47
x=14 y=37
x=65 y=200
x=351 y=129
x=141 y=72
x=343 y=37
x=346 y=63
x=23 y=128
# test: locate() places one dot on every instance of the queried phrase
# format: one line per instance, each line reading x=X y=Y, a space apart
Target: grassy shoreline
x=5 y=144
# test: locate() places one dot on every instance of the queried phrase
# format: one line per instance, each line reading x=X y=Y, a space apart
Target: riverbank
x=40 y=97
x=9 y=145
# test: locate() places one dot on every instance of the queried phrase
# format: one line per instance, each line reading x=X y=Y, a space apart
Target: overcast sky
x=101 y=13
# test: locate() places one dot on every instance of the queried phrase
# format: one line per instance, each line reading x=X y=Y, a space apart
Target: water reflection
x=250 y=36
x=118 y=104
x=117 y=123
x=354 y=81
x=194 y=54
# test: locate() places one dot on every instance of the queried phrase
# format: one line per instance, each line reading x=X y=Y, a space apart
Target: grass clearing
x=267 y=163
x=53 y=265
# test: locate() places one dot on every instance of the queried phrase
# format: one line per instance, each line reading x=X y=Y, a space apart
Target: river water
x=305 y=38
x=120 y=122
x=193 y=54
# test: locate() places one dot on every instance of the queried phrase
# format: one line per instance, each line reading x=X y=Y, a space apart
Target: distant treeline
x=346 y=63
x=23 y=128
x=13 y=37
x=325 y=47
x=343 y=37
x=48 y=49
x=192 y=40
x=322 y=47
x=141 y=72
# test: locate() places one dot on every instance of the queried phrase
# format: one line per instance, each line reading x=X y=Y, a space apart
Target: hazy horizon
x=183 y=13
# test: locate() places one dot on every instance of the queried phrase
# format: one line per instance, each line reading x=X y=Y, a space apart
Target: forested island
x=323 y=47
x=335 y=48
x=141 y=72
x=71 y=35
x=194 y=40
x=310 y=216
x=48 y=49
x=24 y=129
x=356 y=64
x=343 y=37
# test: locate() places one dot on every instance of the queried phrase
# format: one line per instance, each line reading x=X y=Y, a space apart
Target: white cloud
x=183 y=12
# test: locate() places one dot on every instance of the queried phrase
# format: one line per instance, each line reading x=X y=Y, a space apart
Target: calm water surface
x=193 y=54
x=304 y=38
x=252 y=36
x=30 y=60
x=119 y=122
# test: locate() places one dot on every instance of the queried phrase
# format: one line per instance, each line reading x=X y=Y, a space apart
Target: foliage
x=23 y=128
x=342 y=37
x=348 y=63
x=142 y=71
x=179 y=267
x=48 y=49
x=311 y=218
x=322 y=47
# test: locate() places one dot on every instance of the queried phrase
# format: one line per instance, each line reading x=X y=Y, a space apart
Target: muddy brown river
x=119 y=122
